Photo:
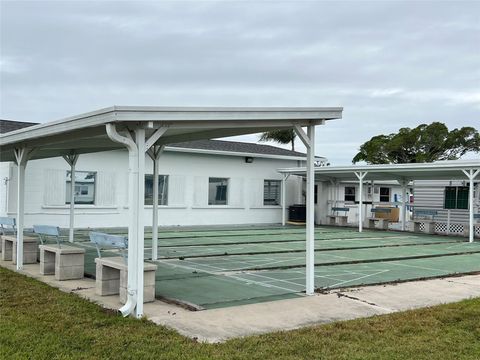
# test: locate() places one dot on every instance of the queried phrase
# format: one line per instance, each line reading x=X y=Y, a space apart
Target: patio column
x=308 y=140
x=471 y=175
x=154 y=154
x=404 y=184
x=72 y=161
x=284 y=200
x=360 y=175
x=137 y=147
x=22 y=156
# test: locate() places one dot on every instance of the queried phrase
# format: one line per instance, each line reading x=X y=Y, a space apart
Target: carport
x=146 y=130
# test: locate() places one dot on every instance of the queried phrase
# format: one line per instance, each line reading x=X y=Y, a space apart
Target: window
x=271 y=192
x=84 y=191
x=315 y=194
x=384 y=194
x=162 y=189
x=349 y=193
x=456 y=197
x=217 y=191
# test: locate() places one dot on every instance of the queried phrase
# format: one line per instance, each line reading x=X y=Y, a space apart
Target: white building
x=201 y=182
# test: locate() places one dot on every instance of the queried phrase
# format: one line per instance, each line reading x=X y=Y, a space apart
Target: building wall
x=45 y=190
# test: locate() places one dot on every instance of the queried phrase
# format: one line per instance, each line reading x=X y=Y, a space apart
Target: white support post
x=360 y=175
x=308 y=140
x=284 y=198
x=72 y=161
x=21 y=156
x=404 y=184
x=471 y=174
x=154 y=154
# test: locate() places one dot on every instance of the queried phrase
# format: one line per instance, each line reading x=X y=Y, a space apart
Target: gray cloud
x=390 y=64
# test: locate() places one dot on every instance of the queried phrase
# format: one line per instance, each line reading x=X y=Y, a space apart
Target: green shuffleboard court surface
x=219 y=267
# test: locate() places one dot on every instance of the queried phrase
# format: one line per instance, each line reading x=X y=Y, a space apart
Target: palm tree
x=280 y=136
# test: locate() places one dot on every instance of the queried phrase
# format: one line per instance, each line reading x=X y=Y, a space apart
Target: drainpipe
x=132 y=288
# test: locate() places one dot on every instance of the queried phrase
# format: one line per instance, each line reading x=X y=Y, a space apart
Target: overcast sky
x=389 y=64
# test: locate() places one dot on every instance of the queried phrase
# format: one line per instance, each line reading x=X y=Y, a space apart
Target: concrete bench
x=7 y=226
x=336 y=219
x=112 y=272
x=9 y=249
x=64 y=261
x=382 y=222
x=427 y=219
x=112 y=278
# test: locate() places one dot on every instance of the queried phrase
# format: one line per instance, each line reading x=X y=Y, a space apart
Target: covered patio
x=147 y=130
x=404 y=174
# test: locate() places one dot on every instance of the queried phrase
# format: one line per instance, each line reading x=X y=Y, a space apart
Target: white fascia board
x=232 y=153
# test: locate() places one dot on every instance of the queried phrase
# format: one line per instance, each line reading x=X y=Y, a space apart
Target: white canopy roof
x=86 y=133
x=420 y=171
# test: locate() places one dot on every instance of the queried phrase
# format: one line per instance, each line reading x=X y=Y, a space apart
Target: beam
x=404 y=184
x=72 y=161
x=471 y=175
x=360 y=175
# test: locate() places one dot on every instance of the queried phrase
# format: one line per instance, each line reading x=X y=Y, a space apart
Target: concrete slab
x=221 y=324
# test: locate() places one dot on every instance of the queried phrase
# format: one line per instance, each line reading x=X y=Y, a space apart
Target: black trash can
x=297 y=213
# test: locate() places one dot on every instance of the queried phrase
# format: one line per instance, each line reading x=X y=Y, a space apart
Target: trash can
x=297 y=213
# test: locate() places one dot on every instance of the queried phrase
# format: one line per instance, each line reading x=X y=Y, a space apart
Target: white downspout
x=112 y=133
x=284 y=198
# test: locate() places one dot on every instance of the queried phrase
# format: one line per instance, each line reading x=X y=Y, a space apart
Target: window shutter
x=105 y=189
x=450 y=197
x=176 y=190
x=55 y=187
x=200 y=194
x=462 y=197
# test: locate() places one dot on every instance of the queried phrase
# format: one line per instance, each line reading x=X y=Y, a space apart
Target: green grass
x=40 y=322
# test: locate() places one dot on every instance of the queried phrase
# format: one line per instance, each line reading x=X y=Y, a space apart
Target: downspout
x=113 y=135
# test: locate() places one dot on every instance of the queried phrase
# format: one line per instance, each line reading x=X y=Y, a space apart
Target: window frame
x=349 y=194
x=164 y=195
x=279 y=195
x=380 y=194
x=80 y=184
x=227 y=190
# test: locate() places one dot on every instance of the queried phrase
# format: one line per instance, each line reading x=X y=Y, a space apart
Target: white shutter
x=256 y=192
x=176 y=190
x=200 y=191
x=236 y=192
x=105 y=189
x=55 y=187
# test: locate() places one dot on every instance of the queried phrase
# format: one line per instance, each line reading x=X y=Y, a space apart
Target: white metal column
x=21 y=156
x=471 y=174
x=309 y=142
x=284 y=198
x=72 y=161
x=360 y=175
x=404 y=184
x=154 y=154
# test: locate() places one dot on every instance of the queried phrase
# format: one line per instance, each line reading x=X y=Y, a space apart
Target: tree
x=280 y=136
x=425 y=143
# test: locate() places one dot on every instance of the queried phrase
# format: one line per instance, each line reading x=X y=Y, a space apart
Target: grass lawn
x=40 y=322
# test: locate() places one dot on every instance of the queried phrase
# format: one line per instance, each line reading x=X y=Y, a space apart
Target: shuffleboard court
x=211 y=268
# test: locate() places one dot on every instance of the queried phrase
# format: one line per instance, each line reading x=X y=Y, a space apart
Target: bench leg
x=108 y=280
x=69 y=266
x=148 y=286
x=331 y=221
x=429 y=228
x=7 y=248
x=47 y=262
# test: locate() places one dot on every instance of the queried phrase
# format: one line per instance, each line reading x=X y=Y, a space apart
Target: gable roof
x=10 y=125
x=236 y=147
x=218 y=146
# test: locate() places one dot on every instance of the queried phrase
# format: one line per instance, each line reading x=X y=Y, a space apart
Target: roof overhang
x=86 y=133
x=443 y=170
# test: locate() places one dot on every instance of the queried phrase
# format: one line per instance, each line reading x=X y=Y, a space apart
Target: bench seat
x=65 y=262
x=112 y=278
x=9 y=249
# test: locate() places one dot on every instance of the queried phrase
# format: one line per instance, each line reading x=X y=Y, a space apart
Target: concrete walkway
x=221 y=324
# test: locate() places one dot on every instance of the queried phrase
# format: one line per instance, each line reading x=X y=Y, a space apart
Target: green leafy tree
x=280 y=136
x=425 y=143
